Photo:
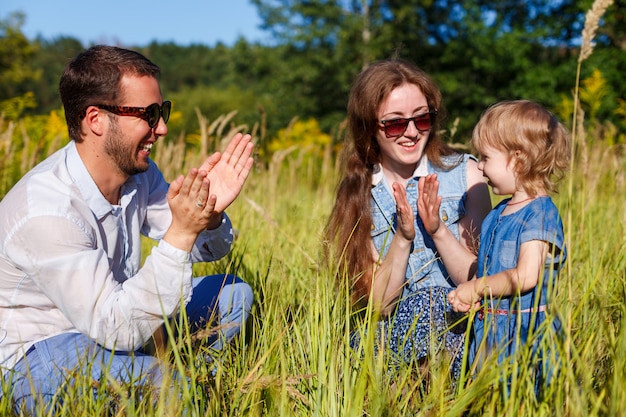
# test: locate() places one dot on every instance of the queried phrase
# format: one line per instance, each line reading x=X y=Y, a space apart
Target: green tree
x=219 y=80
x=15 y=68
x=52 y=56
x=321 y=47
x=480 y=51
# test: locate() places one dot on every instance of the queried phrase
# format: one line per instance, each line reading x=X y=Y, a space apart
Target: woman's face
x=400 y=154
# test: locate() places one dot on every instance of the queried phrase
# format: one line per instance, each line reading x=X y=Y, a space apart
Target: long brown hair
x=350 y=222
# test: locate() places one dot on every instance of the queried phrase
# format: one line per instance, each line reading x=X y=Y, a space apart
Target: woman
x=393 y=139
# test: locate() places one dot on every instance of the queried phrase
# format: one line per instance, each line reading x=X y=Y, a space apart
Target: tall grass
x=294 y=358
x=303 y=309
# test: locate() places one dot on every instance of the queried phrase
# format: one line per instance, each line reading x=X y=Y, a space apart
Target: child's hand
x=464 y=297
x=428 y=203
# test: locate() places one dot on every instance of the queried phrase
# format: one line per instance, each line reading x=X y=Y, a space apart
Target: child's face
x=499 y=170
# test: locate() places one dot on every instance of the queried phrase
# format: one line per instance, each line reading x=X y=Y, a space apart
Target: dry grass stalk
x=276 y=382
x=592 y=19
x=6 y=133
x=581 y=138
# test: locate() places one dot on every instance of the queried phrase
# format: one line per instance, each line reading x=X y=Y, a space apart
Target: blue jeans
x=49 y=364
x=233 y=299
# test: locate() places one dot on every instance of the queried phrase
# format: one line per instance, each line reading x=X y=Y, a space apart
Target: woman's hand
x=388 y=277
x=429 y=202
x=406 y=220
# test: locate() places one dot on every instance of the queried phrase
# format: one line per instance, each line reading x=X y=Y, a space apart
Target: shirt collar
x=421 y=170
x=87 y=186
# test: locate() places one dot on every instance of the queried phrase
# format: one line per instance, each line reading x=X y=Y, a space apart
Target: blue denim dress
x=423 y=320
x=503 y=324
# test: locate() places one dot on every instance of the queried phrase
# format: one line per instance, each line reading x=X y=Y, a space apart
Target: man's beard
x=121 y=152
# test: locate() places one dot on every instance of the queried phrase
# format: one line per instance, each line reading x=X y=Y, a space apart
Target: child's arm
x=457 y=255
x=389 y=275
x=520 y=279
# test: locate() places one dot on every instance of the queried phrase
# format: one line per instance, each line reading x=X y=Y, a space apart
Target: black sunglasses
x=150 y=114
x=397 y=127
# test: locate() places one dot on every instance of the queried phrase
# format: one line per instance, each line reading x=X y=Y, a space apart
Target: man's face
x=129 y=139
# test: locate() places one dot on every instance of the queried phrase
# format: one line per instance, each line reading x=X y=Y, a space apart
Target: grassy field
x=294 y=357
x=299 y=359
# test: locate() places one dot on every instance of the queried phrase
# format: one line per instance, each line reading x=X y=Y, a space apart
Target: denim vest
x=425 y=268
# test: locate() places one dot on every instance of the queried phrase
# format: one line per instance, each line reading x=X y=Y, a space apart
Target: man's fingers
x=188 y=181
x=241 y=148
x=232 y=146
x=210 y=204
x=246 y=168
x=211 y=161
x=175 y=187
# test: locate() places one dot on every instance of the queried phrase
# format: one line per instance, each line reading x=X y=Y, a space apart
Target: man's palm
x=228 y=172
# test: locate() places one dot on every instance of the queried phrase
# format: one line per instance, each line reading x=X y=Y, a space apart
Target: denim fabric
x=511 y=321
x=49 y=364
x=419 y=324
x=425 y=268
x=233 y=299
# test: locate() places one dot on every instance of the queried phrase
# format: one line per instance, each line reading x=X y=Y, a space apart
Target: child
x=523 y=151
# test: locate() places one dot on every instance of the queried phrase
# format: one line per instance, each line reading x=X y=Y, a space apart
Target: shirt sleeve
x=544 y=223
x=72 y=274
x=212 y=245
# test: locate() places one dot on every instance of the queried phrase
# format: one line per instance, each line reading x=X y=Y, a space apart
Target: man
x=72 y=290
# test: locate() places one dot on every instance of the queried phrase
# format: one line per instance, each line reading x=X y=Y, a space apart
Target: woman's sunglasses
x=150 y=114
x=396 y=127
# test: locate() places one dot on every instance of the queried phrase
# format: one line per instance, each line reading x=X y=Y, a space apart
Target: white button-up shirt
x=71 y=262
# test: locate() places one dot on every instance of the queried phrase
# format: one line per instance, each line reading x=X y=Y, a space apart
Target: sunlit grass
x=294 y=358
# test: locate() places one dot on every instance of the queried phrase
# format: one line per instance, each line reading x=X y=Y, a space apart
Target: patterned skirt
x=423 y=325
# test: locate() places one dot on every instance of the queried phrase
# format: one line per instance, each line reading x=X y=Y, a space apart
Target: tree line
x=479 y=51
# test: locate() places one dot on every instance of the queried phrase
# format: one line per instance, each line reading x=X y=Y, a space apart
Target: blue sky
x=138 y=22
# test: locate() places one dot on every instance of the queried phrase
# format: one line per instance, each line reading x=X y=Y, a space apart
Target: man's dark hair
x=93 y=77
